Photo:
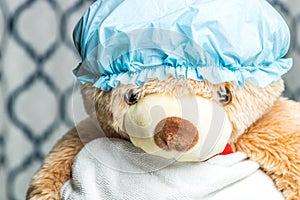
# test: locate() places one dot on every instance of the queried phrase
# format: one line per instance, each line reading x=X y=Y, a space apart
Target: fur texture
x=265 y=127
x=56 y=169
x=274 y=142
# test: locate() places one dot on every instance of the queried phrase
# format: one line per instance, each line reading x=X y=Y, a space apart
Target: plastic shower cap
x=129 y=41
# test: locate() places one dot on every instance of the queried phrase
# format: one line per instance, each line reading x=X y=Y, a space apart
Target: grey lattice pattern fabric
x=36 y=59
x=37 y=56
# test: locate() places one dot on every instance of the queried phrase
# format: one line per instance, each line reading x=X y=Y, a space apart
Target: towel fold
x=114 y=169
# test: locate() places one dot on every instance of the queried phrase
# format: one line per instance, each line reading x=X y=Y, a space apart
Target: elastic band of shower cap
x=130 y=41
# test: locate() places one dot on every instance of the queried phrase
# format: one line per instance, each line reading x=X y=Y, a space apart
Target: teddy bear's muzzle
x=174 y=133
x=186 y=128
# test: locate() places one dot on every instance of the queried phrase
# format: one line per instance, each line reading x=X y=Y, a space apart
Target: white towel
x=113 y=169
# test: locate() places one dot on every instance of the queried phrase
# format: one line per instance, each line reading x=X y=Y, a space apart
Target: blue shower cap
x=129 y=41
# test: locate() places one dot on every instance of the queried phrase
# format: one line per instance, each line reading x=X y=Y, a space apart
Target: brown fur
x=274 y=142
x=270 y=125
x=56 y=170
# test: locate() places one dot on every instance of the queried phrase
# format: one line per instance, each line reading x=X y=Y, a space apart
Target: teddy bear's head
x=178 y=117
x=179 y=82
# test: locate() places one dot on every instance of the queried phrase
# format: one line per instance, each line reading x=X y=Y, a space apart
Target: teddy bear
x=178 y=90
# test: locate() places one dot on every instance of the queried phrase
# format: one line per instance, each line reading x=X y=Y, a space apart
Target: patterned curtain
x=37 y=56
x=36 y=59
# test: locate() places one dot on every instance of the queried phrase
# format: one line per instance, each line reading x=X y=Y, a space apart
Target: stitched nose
x=174 y=133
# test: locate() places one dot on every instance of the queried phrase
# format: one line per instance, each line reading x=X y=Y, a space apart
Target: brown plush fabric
x=265 y=127
x=56 y=170
x=274 y=142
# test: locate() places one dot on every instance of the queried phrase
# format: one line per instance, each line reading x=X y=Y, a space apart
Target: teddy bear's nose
x=174 y=133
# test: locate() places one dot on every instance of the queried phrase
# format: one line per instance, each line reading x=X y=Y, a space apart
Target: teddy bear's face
x=183 y=119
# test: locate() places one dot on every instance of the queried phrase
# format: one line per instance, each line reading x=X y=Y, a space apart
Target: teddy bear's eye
x=225 y=96
x=131 y=97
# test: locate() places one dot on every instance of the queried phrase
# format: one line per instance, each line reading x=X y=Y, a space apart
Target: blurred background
x=36 y=84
